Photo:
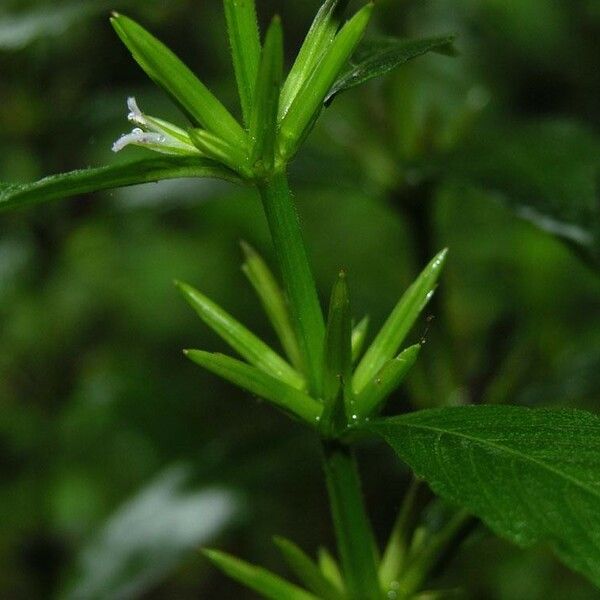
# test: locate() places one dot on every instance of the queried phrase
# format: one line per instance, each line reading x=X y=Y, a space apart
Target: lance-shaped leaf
x=331 y=569
x=307 y=571
x=337 y=356
x=309 y=100
x=532 y=476
x=167 y=71
x=399 y=323
x=266 y=584
x=259 y=383
x=317 y=41
x=359 y=337
x=389 y=377
x=218 y=149
x=244 y=38
x=375 y=58
x=273 y=301
x=243 y=341
x=91 y=180
x=263 y=122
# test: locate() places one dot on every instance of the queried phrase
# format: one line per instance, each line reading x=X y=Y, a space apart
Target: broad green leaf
x=548 y=173
x=91 y=180
x=167 y=71
x=320 y=36
x=242 y=340
x=307 y=571
x=387 y=380
x=265 y=583
x=532 y=476
x=263 y=121
x=359 y=337
x=257 y=382
x=330 y=568
x=244 y=38
x=337 y=357
x=218 y=149
x=399 y=323
x=274 y=303
x=309 y=100
x=375 y=58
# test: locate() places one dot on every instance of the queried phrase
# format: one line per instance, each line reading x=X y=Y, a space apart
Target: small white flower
x=154 y=134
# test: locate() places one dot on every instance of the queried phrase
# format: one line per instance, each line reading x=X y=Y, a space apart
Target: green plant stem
x=296 y=273
x=356 y=544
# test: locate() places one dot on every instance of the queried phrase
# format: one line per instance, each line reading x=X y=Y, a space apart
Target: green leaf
x=263 y=122
x=244 y=38
x=531 y=475
x=309 y=100
x=92 y=180
x=337 y=357
x=375 y=58
x=265 y=583
x=548 y=173
x=243 y=341
x=218 y=149
x=307 y=571
x=257 y=382
x=167 y=71
x=320 y=36
x=274 y=303
x=399 y=323
x=330 y=568
x=387 y=380
x=359 y=337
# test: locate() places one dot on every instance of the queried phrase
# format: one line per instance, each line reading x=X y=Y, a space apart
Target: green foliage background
x=99 y=407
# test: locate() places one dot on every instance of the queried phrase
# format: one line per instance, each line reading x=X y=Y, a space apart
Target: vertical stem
x=295 y=270
x=353 y=531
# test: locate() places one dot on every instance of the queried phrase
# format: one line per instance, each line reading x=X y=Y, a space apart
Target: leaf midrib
x=509 y=450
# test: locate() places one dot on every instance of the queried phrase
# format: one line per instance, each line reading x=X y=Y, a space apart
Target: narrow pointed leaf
x=375 y=58
x=167 y=71
x=399 y=323
x=220 y=150
x=316 y=43
x=309 y=100
x=337 y=358
x=243 y=341
x=85 y=181
x=396 y=550
x=330 y=568
x=259 y=383
x=307 y=571
x=266 y=584
x=387 y=380
x=359 y=337
x=263 y=123
x=244 y=38
x=533 y=476
x=274 y=303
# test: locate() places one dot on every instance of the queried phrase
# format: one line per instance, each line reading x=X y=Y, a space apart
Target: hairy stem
x=356 y=544
x=296 y=273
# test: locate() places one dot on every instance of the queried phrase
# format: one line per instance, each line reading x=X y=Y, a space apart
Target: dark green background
x=105 y=429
